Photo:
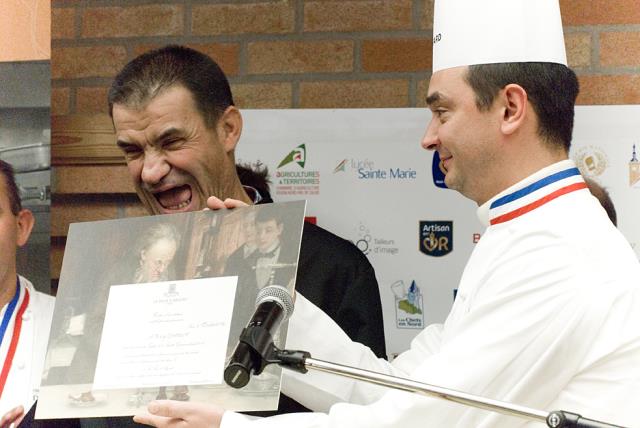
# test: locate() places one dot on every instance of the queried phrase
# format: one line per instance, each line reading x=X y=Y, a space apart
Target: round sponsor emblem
x=591 y=160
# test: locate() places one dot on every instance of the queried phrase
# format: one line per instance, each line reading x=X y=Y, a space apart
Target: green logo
x=297 y=155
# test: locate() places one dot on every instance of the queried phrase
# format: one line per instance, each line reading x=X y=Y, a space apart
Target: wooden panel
x=83 y=139
x=78 y=211
x=55 y=257
x=79 y=179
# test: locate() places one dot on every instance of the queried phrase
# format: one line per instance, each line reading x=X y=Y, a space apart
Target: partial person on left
x=25 y=317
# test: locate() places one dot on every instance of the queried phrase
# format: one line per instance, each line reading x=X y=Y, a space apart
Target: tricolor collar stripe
x=534 y=186
x=13 y=345
x=533 y=205
x=8 y=314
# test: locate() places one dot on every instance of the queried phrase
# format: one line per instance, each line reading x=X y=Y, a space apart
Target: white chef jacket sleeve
x=313 y=331
x=518 y=342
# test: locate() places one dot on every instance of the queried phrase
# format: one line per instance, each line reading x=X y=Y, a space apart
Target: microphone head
x=279 y=295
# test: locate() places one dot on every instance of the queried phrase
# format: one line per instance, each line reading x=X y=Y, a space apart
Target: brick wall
x=314 y=53
x=290 y=54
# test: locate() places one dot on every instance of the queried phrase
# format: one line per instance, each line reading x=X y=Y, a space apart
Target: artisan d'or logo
x=297 y=155
x=436 y=238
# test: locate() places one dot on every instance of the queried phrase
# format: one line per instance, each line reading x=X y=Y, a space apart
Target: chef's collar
x=534 y=191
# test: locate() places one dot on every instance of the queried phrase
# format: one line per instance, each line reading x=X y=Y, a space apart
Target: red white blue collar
x=544 y=186
x=10 y=342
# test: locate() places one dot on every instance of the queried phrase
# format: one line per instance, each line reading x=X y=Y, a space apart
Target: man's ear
x=515 y=107
x=229 y=128
x=25 y=225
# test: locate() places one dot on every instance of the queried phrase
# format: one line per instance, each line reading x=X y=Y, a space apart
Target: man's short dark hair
x=552 y=90
x=146 y=76
x=257 y=176
x=6 y=171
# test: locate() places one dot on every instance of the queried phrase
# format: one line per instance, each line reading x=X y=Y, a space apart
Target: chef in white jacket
x=25 y=314
x=548 y=307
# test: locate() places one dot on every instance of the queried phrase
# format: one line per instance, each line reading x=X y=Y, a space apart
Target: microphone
x=273 y=306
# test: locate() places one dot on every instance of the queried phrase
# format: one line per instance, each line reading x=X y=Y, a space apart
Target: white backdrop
x=367 y=179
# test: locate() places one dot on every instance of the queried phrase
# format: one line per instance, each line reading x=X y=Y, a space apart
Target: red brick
x=129 y=21
x=262 y=18
x=621 y=89
x=620 y=49
x=426 y=17
x=422 y=91
x=263 y=95
x=300 y=57
x=60 y=101
x=92 y=100
x=227 y=55
x=397 y=55
x=357 y=15
x=354 y=94
x=93 y=61
x=139 y=49
x=62 y=23
x=578 y=46
x=591 y=12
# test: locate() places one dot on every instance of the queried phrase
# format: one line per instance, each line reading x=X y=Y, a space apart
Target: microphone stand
x=301 y=361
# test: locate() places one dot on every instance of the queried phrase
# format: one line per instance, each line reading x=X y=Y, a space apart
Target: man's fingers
x=146 y=420
x=234 y=203
x=170 y=408
x=162 y=413
x=12 y=416
x=214 y=203
x=155 y=421
x=179 y=414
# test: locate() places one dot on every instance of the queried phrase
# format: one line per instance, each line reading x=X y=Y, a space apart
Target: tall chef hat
x=470 y=32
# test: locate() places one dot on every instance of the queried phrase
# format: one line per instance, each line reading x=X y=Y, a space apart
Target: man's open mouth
x=175 y=198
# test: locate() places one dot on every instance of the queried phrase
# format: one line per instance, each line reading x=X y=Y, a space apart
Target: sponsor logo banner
x=366 y=169
x=291 y=177
x=592 y=161
x=374 y=245
x=409 y=305
x=436 y=238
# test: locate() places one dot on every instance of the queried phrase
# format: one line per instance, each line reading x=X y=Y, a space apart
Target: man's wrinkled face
x=155 y=260
x=175 y=160
x=268 y=234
